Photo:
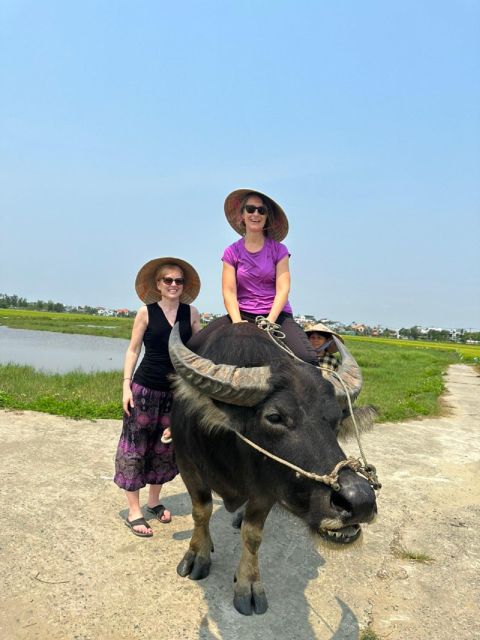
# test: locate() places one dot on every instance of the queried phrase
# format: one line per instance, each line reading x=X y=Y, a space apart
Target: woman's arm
x=131 y=356
x=229 y=292
x=282 y=289
x=195 y=320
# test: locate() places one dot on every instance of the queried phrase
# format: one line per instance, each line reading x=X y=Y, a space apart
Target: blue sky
x=124 y=126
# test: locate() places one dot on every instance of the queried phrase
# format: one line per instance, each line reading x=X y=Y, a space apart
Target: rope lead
x=359 y=466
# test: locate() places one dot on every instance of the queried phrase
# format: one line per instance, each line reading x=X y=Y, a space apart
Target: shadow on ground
x=289 y=562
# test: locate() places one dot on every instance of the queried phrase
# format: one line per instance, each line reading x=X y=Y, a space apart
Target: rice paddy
x=402 y=379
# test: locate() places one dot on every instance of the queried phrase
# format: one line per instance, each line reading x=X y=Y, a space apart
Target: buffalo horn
x=223 y=382
x=349 y=371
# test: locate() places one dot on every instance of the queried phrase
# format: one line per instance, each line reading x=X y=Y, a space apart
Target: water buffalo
x=241 y=382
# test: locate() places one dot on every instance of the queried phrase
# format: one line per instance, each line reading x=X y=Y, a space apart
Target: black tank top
x=156 y=364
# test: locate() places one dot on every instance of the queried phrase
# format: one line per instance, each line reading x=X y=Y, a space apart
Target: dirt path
x=69 y=568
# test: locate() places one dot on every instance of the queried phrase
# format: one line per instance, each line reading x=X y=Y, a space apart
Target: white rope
x=330 y=479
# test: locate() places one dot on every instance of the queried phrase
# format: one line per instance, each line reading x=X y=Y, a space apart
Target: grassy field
x=401 y=382
x=121 y=328
x=75 y=394
x=67 y=323
x=403 y=378
x=468 y=353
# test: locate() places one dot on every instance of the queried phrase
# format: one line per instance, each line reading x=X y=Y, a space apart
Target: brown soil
x=70 y=569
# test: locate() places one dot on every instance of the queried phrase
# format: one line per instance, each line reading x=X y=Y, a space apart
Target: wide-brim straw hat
x=277 y=229
x=146 y=285
x=322 y=328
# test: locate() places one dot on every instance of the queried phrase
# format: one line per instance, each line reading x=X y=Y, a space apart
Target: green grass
x=75 y=394
x=67 y=323
x=402 y=378
x=406 y=554
x=369 y=634
x=401 y=382
x=468 y=353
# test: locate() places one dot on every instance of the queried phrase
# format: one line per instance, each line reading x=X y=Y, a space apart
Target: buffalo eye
x=274 y=418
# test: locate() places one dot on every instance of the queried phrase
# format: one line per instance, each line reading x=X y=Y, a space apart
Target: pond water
x=61 y=352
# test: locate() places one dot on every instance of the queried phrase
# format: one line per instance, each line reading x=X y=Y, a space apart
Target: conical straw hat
x=146 y=285
x=277 y=229
x=322 y=328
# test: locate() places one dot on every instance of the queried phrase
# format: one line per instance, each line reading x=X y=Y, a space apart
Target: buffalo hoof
x=194 y=566
x=250 y=598
x=346 y=535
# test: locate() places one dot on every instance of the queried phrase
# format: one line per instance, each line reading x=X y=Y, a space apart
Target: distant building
x=360 y=329
x=101 y=311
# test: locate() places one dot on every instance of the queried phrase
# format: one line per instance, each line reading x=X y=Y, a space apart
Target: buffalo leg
x=249 y=594
x=237 y=519
x=196 y=562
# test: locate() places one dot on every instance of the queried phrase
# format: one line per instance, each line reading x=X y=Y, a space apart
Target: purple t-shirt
x=256 y=274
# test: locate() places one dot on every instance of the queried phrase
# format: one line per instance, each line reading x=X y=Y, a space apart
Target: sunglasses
x=262 y=210
x=169 y=281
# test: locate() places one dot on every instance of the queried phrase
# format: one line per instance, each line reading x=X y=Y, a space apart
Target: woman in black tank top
x=145 y=454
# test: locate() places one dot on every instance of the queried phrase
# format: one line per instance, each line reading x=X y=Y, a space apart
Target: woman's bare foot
x=139 y=528
x=162 y=514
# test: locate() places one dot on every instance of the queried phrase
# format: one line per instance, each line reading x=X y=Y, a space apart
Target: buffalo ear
x=364 y=417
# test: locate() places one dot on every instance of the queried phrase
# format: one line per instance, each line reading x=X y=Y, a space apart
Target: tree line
x=17 y=302
x=414 y=333
x=439 y=335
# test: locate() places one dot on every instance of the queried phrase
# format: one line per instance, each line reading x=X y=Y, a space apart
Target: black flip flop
x=136 y=523
x=158 y=512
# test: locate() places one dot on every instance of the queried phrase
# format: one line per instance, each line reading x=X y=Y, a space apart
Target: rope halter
x=331 y=479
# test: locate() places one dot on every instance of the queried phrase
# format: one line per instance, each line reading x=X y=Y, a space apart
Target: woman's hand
x=127 y=400
x=133 y=351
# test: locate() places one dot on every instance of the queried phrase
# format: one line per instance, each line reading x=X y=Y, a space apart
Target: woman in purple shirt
x=256 y=275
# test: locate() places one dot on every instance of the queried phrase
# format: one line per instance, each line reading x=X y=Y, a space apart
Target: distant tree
x=470 y=335
x=13 y=301
x=414 y=332
x=90 y=310
x=438 y=335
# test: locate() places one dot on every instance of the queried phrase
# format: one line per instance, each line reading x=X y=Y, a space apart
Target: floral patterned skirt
x=141 y=456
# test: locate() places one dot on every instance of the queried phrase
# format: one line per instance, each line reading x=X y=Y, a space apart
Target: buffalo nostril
x=340 y=502
x=356 y=501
